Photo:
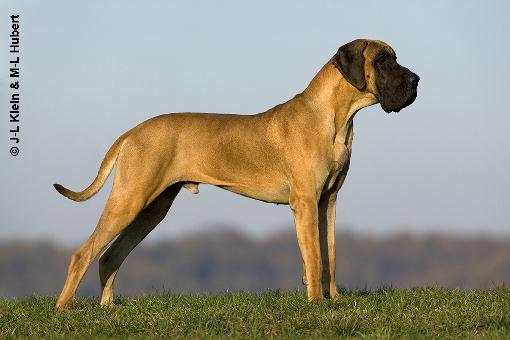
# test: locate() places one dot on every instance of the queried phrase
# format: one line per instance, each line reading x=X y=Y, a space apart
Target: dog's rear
x=102 y=174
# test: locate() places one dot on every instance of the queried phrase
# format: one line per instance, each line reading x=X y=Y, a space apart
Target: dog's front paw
x=335 y=296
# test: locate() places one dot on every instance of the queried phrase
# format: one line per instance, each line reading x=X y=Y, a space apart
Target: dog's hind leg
x=111 y=223
x=125 y=202
x=142 y=225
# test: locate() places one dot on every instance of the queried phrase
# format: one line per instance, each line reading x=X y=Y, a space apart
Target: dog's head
x=371 y=65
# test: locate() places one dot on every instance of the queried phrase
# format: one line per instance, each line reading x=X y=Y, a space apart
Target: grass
x=414 y=313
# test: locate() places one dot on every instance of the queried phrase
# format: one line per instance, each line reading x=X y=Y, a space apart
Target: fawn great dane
x=296 y=153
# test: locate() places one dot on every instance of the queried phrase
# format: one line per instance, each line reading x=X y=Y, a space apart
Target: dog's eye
x=381 y=59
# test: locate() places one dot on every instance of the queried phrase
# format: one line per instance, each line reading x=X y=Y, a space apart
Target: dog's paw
x=64 y=304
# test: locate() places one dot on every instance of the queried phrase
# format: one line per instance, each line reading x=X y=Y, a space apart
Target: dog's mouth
x=410 y=98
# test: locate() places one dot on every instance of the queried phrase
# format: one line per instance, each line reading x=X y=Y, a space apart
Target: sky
x=92 y=70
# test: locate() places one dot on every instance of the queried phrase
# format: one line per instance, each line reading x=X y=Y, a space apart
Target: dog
x=296 y=153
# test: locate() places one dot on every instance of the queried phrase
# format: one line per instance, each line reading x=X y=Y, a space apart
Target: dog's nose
x=414 y=79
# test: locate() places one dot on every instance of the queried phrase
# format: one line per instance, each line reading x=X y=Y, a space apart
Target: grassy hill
x=423 y=313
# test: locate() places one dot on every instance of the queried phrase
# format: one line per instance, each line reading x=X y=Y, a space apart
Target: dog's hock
x=193 y=187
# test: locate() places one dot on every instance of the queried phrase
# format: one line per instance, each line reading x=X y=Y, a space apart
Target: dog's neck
x=329 y=89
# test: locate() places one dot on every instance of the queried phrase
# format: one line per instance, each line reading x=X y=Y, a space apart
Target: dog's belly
x=262 y=187
x=277 y=194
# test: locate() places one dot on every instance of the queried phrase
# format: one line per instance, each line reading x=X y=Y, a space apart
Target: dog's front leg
x=306 y=217
x=327 y=216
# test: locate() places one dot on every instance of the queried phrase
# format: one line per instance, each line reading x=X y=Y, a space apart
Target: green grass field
x=420 y=313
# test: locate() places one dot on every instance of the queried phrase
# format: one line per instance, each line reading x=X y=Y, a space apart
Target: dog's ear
x=350 y=61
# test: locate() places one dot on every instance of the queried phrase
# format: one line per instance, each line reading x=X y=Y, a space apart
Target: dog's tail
x=104 y=171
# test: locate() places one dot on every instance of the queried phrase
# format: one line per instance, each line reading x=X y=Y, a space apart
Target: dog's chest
x=340 y=158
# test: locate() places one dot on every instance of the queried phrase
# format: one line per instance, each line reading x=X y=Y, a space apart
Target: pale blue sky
x=92 y=71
